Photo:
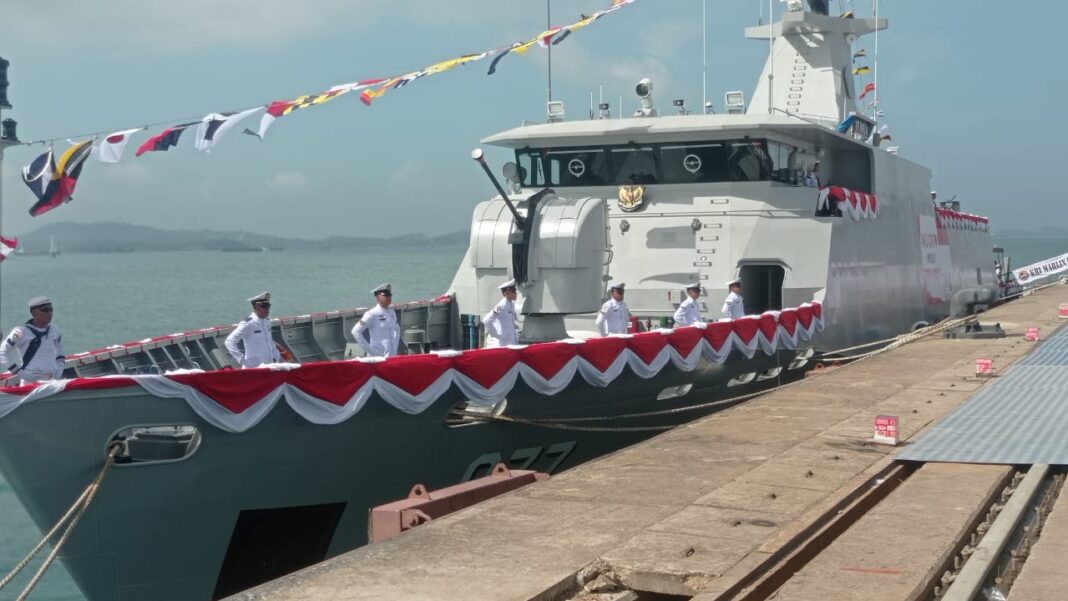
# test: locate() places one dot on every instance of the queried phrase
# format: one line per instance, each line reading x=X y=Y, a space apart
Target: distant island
x=109 y=237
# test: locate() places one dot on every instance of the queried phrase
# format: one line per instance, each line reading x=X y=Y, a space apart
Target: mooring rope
x=73 y=516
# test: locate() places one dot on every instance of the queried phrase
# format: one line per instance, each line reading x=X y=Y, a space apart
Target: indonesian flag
x=867 y=90
x=109 y=150
x=53 y=182
x=7 y=246
x=163 y=140
x=216 y=125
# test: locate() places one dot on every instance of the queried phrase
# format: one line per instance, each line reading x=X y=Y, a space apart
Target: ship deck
x=785 y=496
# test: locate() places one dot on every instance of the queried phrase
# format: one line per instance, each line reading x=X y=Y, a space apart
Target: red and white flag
x=109 y=150
x=868 y=89
x=7 y=246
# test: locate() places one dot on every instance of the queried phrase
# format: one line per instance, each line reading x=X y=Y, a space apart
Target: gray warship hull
x=244 y=508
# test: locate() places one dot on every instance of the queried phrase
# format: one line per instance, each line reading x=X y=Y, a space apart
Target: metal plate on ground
x=1021 y=418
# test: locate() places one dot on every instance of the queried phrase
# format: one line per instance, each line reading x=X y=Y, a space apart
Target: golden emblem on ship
x=631 y=198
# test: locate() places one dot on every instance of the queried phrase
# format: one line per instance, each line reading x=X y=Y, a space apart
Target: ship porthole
x=468 y=412
x=674 y=392
x=143 y=445
x=742 y=379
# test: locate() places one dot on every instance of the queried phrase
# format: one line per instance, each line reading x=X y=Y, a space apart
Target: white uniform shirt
x=688 y=313
x=732 y=306
x=614 y=318
x=812 y=180
x=251 y=343
x=380 y=325
x=500 y=323
x=46 y=364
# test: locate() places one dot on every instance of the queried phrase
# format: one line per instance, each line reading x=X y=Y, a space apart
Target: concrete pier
x=696 y=511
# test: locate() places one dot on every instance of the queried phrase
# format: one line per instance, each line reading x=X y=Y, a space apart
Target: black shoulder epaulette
x=249 y=318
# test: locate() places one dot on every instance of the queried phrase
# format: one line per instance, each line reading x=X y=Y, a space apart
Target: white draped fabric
x=241 y=409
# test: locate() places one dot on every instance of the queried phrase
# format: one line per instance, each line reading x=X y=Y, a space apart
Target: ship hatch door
x=268 y=543
x=762 y=287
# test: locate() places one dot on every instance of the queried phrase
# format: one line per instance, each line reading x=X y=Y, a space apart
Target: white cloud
x=404 y=174
x=288 y=181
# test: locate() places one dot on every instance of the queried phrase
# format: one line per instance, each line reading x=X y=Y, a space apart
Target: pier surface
x=707 y=510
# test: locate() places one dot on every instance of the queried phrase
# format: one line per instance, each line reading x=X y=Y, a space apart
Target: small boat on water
x=229 y=477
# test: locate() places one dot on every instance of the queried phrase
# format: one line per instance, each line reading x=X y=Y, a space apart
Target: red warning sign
x=886 y=429
x=1032 y=334
x=984 y=367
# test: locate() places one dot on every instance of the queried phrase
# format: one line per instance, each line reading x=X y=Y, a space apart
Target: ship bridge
x=689 y=149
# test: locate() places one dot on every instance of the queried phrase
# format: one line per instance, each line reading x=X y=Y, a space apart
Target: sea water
x=103 y=299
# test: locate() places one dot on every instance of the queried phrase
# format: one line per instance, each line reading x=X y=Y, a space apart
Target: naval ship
x=229 y=477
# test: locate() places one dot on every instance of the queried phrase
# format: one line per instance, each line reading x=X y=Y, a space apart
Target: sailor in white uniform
x=378 y=331
x=251 y=343
x=500 y=322
x=689 y=311
x=39 y=343
x=614 y=317
x=732 y=305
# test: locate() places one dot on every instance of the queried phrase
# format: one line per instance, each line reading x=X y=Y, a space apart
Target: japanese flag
x=109 y=150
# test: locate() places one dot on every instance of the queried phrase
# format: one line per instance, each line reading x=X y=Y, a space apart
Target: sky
x=969 y=89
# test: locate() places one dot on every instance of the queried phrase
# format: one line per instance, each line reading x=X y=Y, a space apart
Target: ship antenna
x=704 y=53
x=548 y=26
x=771 y=57
x=477 y=155
x=875 y=71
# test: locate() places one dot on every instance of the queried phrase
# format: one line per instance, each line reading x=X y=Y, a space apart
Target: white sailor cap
x=733 y=282
x=382 y=288
x=37 y=301
x=507 y=285
x=694 y=286
x=617 y=286
x=263 y=297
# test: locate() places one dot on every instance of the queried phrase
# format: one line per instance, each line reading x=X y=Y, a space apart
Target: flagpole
x=3 y=146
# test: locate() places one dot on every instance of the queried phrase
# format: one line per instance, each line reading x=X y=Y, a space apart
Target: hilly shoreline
x=110 y=237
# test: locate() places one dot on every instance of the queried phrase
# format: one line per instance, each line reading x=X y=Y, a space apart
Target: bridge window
x=635 y=164
x=744 y=160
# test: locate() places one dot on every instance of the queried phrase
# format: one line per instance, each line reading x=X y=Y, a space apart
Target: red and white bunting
x=332 y=392
x=962 y=221
x=858 y=205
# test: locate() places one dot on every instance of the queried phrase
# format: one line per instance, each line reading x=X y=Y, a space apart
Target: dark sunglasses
x=264 y=305
x=510 y=289
x=389 y=294
x=44 y=309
